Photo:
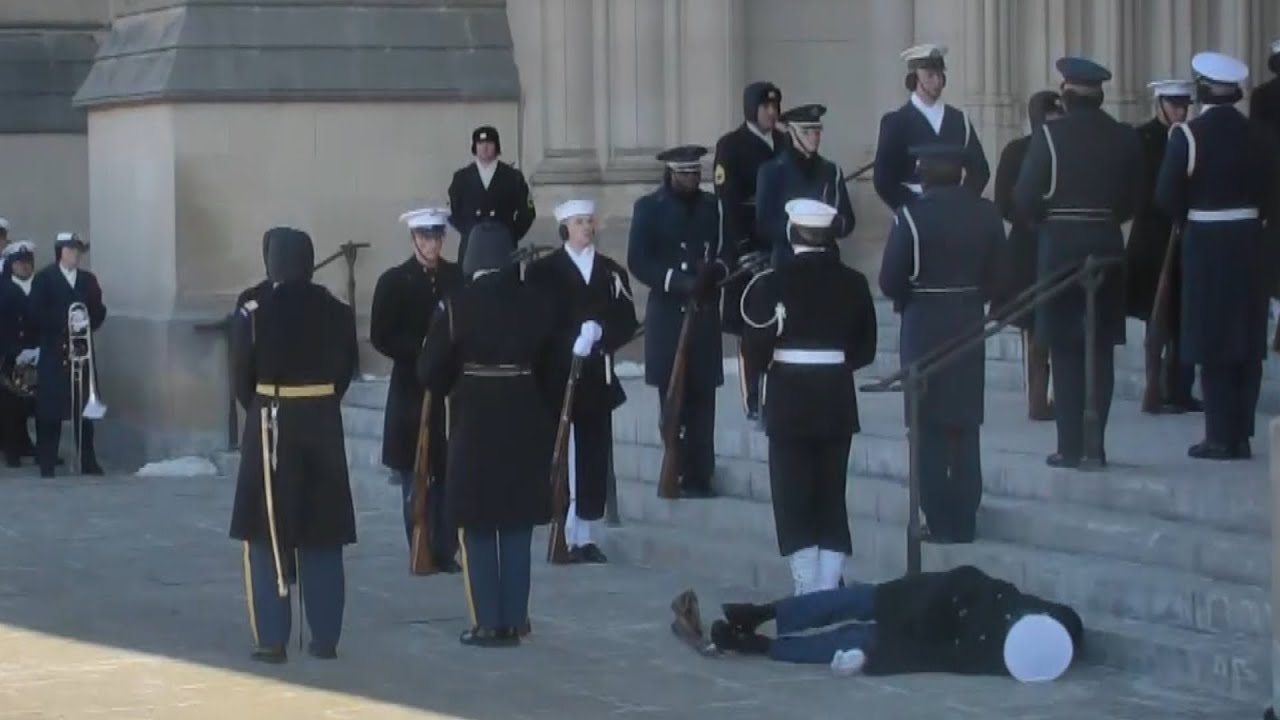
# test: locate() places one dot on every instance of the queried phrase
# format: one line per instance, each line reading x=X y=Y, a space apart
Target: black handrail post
x=1091 y=457
x=913 y=385
x=349 y=251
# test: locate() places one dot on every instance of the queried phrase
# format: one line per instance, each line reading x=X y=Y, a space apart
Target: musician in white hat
x=812 y=323
x=4 y=233
x=594 y=316
x=1218 y=178
x=924 y=120
x=53 y=290
x=1145 y=252
x=981 y=625
x=404 y=303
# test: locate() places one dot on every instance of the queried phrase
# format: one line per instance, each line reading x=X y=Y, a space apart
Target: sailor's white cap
x=4 y=224
x=1037 y=649
x=803 y=212
x=926 y=51
x=426 y=218
x=574 y=208
x=1219 y=68
x=1172 y=88
x=14 y=248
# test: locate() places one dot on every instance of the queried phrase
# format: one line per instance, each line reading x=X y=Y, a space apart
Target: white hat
x=1037 y=649
x=803 y=212
x=1275 y=47
x=4 y=224
x=1172 y=88
x=1219 y=68
x=14 y=248
x=574 y=208
x=927 y=51
x=425 y=218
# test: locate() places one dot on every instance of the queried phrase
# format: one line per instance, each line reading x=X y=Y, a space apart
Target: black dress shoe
x=91 y=467
x=269 y=655
x=591 y=553
x=46 y=473
x=727 y=638
x=526 y=629
x=322 y=652
x=1058 y=460
x=1211 y=451
x=13 y=461
x=488 y=638
x=573 y=557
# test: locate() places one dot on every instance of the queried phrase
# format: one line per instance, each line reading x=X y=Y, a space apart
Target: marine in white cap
x=1217 y=179
x=1080 y=182
x=812 y=323
x=594 y=317
x=1168 y=381
x=945 y=259
x=924 y=119
x=19 y=348
x=675 y=250
x=405 y=301
x=993 y=628
x=53 y=290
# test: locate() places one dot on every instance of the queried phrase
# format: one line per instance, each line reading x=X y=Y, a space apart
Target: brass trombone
x=80 y=358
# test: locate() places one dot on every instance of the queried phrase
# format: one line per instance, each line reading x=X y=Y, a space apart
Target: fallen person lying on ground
x=959 y=621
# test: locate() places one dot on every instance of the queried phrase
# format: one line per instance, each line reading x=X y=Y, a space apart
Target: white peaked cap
x=1172 y=88
x=923 y=52
x=14 y=248
x=66 y=237
x=4 y=224
x=426 y=218
x=803 y=212
x=574 y=208
x=1275 y=47
x=1037 y=649
x=1220 y=68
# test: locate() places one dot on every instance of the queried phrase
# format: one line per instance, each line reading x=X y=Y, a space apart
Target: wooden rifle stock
x=557 y=549
x=673 y=404
x=421 y=554
x=1159 y=331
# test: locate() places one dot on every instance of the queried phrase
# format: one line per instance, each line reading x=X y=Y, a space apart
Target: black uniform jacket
x=954 y=622
x=296 y=334
x=789 y=176
x=404 y=302
x=1024 y=240
x=506 y=200
x=1149 y=234
x=739 y=155
x=1082 y=178
x=825 y=305
x=1229 y=267
x=906 y=127
x=943 y=262
x=606 y=299
x=672 y=238
x=17 y=327
x=489 y=350
x=51 y=297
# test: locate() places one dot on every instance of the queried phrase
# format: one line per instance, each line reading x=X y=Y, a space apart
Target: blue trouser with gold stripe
x=320 y=581
x=497 y=569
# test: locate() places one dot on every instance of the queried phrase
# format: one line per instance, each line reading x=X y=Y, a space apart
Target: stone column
x=47 y=46
x=332 y=119
x=990 y=62
x=892 y=29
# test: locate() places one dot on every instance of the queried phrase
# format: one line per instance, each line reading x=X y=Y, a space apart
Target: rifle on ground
x=557 y=550
x=421 y=554
x=673 y=403
x=1159 y=331
x=859 y=172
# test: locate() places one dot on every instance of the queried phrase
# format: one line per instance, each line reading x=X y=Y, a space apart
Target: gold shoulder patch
x=719 y=174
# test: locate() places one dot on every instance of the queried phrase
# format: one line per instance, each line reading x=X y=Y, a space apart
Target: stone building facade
x=173 y=132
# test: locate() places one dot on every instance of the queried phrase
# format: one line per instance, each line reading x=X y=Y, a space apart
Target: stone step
x=1094 y=584
x=1236 y=667
x=1063 y=526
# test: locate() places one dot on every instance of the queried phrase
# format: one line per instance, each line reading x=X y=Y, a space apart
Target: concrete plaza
x=123 y=598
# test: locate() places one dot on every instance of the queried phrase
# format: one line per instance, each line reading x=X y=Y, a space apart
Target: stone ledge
x=234 y=50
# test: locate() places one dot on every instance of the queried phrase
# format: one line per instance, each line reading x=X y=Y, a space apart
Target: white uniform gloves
x=588 y=336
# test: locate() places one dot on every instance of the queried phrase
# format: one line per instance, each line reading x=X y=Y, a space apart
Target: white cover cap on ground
x=1037 y=649
x=803 y=212
x=574 y=208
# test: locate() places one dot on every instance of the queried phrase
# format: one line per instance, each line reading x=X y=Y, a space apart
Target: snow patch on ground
x=190 y=466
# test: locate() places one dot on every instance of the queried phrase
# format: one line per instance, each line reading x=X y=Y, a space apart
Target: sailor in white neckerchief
x=595 y=317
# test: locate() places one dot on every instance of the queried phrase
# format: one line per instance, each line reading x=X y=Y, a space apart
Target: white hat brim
x=1037 y=649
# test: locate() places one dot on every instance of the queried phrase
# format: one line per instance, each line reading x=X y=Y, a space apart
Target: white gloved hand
x=848 y=662
x=591 y=329
x=582 y=346
x=29 y=357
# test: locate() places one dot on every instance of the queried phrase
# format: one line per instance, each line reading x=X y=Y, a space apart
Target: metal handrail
x=348 y=251
x=914 y=377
